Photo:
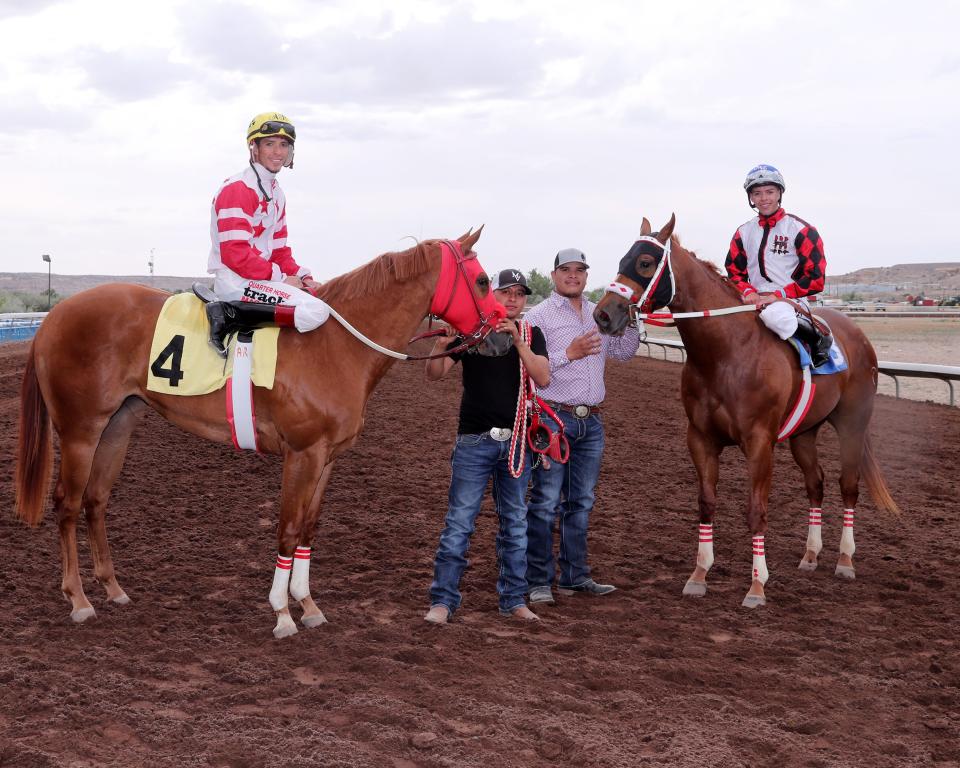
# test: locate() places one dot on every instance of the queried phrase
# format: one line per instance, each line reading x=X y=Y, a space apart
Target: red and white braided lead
x=519 y=437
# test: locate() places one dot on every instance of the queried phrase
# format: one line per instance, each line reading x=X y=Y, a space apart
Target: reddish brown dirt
x=830 y=673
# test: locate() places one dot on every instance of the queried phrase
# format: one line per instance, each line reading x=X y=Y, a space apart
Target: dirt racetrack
x=830 y=673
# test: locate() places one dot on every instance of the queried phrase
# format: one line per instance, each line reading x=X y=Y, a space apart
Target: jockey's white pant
x=310 y=311
x=781 y=318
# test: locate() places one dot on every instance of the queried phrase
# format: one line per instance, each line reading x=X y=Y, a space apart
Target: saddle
x=814 y=333
x=182 y=362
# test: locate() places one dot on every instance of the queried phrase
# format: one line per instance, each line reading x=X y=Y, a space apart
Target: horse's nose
x=603 y=319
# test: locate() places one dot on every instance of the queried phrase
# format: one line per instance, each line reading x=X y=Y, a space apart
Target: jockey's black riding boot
x=228 y=317
x=819 y=343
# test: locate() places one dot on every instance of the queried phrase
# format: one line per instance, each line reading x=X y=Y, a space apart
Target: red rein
x=539 y=436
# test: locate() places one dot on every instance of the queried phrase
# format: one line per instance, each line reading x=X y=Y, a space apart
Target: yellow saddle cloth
x=182 y=362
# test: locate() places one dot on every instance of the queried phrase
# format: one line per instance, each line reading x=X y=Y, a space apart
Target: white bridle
x=664 y=264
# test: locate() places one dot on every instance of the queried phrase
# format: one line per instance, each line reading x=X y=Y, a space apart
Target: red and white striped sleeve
x=235 y=206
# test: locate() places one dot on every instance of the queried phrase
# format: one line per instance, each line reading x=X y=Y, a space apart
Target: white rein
x=665 y=263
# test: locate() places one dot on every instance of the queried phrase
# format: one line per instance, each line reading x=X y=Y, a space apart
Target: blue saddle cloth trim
x=836 y=364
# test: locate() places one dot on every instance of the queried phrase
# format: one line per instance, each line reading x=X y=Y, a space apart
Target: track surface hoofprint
x=830 y=673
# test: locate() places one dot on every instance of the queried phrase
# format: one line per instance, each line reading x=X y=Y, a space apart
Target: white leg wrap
x=814 y=538
x=847 y=546
x=705 y=547
x=760 y=572
x=281 y=582
x=300 y=580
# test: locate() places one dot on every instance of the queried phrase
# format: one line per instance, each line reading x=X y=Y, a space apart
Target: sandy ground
x=916 y=340
x=830 y=673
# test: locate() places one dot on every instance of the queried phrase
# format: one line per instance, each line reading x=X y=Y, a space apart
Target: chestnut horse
x=87 y=374
x=738 y=386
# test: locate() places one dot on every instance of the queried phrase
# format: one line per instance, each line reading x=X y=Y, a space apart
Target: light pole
x=46 y=258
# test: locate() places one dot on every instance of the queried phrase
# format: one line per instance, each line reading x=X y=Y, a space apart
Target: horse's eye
x=646 y=264
x=483 y=281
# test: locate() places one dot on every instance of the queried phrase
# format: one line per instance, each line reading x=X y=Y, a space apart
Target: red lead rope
x=518 y=441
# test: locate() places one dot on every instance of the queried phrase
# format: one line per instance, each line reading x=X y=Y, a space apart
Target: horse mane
x=710 y=268
x=376 y=275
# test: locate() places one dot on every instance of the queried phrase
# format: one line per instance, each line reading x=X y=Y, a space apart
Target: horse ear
x=465 y=235
x=469 y=240
x=645 y=228
x=667 y=229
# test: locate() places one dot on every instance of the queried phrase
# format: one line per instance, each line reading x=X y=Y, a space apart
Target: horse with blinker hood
x=738 y=385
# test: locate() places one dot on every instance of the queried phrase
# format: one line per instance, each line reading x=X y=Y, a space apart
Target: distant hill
x=934 y=280
x=67 y=285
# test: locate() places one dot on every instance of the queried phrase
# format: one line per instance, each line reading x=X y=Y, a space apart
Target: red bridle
x=450 y=302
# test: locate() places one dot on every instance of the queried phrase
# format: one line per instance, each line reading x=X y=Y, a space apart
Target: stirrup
x=204 y=293
x=820 y=354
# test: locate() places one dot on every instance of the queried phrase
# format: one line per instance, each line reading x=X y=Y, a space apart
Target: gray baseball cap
x=570 y=254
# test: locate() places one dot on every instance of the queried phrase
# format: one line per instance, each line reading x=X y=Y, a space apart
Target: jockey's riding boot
x=819 y=343
x=228 y=317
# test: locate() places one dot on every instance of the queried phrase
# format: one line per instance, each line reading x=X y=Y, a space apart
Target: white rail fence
x=896 y=371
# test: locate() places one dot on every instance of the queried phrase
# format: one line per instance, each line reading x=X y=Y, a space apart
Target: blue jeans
x=566 y=490
x=475 y=459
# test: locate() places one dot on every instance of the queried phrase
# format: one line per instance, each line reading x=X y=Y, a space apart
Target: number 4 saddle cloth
x=182 y=362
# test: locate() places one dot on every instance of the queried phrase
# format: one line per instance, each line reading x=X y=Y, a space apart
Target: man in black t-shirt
x=488 y=410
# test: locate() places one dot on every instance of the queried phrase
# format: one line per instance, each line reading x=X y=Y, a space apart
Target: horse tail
x=34 y=448
x=874 y=479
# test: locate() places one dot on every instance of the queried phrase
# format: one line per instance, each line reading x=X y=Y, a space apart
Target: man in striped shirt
x=577 y=353
x=256 y=277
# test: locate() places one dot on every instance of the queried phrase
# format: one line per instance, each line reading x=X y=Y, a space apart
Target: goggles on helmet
x=271 y=127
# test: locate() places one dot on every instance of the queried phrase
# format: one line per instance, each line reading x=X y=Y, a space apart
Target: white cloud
x=555 y=124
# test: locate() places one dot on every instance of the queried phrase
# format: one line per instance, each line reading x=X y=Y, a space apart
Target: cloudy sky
x=551 y=124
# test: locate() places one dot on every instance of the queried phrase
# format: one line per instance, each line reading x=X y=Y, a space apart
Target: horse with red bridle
x=739 y=386
x=86 y=376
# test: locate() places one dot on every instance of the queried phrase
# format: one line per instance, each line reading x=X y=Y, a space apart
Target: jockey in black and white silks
x=776 y=255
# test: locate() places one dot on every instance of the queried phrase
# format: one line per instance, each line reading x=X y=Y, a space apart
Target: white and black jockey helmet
x=762 y=175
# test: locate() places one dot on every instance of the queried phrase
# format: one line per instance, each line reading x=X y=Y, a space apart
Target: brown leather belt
x=580 y=411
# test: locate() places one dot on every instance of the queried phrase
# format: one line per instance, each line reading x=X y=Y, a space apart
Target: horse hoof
x=695 y=588
x=806 y=565
x=314 y=621
x=753 y=601
x=82 y=614
x=846 y=571
x=284 y=630
x=121 y=599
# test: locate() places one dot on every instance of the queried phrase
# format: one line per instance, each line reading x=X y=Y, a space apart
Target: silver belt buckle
x=581 y=411
x=501 y=434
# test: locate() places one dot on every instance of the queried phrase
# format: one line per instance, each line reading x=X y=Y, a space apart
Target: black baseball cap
x=570 y=254
x=507 y=277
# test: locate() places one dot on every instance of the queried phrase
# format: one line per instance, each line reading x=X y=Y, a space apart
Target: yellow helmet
x=271 y=124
